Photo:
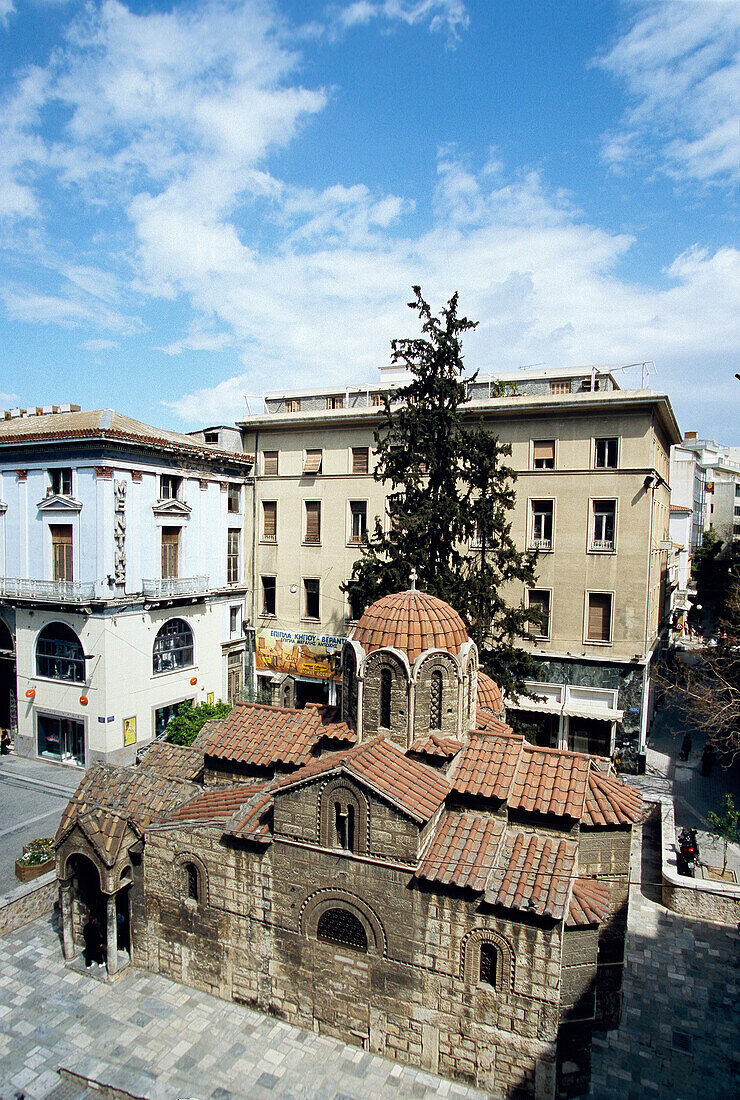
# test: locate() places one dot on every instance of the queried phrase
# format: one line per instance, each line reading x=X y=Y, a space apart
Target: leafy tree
x=448 y=488
x=189 y=721
x=709 y=570
x=725 y=825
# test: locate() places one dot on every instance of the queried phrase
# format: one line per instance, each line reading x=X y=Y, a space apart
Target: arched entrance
x=8 y=703
x=94 y=921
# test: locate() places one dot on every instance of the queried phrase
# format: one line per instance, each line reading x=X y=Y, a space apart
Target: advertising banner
x=314 y=655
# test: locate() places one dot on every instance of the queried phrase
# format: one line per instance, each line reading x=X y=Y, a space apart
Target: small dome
x=413 y=622
x=489 y=694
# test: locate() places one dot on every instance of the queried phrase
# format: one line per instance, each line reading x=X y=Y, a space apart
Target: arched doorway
x=8 y=703
x=94 y=922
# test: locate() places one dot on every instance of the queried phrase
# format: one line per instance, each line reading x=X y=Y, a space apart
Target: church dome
x=489 y=694
x=413 y=622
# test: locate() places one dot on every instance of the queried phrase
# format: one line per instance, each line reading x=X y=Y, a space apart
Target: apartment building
x=122 y=579
x=593 y=498
x=719 y=468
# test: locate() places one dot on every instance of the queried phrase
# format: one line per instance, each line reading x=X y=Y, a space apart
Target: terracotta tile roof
x=435 y=745
x=487 y=767
x=489 y=695
x=173 y=761
x=462 y=850
x=550 y=781
x=681 y=508
x=486 y=720
x=411 y=621
x=215 y=805
x=415 y=788
x=610 y=802
x=105 y=830
x=264 y=736
x=252 y=822
x=108 y=424
x=137 y=795
x=533 y=874
x=589 y=903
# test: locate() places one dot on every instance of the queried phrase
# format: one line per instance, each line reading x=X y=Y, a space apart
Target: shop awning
x=584 y=710
x=542 y=706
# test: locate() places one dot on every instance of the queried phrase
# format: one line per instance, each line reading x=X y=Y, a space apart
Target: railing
x=57 y=591
x=174 y=586
x=602 y=544
x=541 y=544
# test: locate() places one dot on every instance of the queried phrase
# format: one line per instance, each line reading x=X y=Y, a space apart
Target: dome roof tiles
x=413 y=622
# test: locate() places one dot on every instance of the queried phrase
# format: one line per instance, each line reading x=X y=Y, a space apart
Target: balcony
x=21 y=588
x=602 y=546
x=167 y=587
x=540 y=544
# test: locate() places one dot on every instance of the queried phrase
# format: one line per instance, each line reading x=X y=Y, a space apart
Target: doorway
x=8 y=704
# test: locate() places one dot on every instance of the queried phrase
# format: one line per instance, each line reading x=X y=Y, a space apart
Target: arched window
x=341 y=927
x=488 y=964
x=435 y=701
x=344 y=825
x=173 y=646
x=190 y=873
x=59 y=654
x=385 y=697
x=348 y=684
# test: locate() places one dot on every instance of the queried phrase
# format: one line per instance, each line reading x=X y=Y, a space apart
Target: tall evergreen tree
x=449 y=496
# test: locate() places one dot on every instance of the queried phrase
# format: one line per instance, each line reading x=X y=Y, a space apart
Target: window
x=358 y=520
x=312 y=465
x=190 y=872
x=377 y=400
x=62 y=568
x=232 y=556
x=311 y=599
x=170 y=551
x=59 y=654
x=603 y=524
x=61 y=739
x=210 y=437
x=234 y=616
x=336 y=402
x=234 y=499
x=598 y=627
x=61 y=482
x=292 y=405
x=313 y=521
x=488 y=961
x=356 y=605
x=605 y=454
x=542 y=524
x=269 y=521
x=173 y=646
x=560 y=387
x=269 y=595
x=270 y=463
x=385 y=697
x=360 y=460
x=543 y=454
x=344 y=824
x=540 y=598
x=435 y=701
x=341 y=927
x=169 y=487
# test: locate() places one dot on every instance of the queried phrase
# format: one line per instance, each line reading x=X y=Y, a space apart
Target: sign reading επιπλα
x=314 y=655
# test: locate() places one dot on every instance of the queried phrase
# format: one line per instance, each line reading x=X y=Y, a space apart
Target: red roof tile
x=489 y=695
x=533 y=874
x=462 y=850
x=173 y=761
x=264 y=736
x=435 y=745
x=413 y=787
x=589 y=903
x=550 y=781
x=487 y=767
x=410 y=621
x=610 y=802
x=252 y=822
x=486 y=720
x=216 y=805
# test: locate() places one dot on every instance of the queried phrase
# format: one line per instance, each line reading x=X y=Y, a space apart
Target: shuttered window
x=61 y=549
x=232 y=556
x=312 y=465
x=170 y=551
x=269 y=520
x=313 y=521
x=540 y=598
x=560 y=387
x=270 y=463
x=599 y=617
x=335 y=402
x=360 y=460
x=543 y=454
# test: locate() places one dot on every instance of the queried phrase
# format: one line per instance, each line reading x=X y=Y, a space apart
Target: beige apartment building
x=593 y=498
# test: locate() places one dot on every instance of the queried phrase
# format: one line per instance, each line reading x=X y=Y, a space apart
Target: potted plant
x=37 y=859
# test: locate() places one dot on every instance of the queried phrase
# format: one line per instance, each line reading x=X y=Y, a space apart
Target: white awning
x=544 y=706
x=583 y=710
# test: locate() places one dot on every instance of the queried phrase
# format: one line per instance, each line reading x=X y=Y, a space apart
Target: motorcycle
x=688 y=853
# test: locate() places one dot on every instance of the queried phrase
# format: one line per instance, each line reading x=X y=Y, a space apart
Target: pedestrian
x=707 y=759
x=685 y=747
x=93 y=942
x=5 y=742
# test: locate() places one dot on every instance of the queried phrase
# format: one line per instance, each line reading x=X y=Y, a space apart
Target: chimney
x=690 y=435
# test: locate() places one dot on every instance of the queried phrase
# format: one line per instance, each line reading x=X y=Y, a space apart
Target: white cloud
x=69 y=311
x=199 y=341
x=7 y=7
x=100 y=345
x=680 y=63
x=441 y=15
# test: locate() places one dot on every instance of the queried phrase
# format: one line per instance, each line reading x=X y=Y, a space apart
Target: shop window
x=540 y=598
x=269 y=595
x=435 y=701
x=173 y=646
x=169 y=487
x=163 y=716
x=542 y=524
x=61 y=739
x=360 y=460
x=311 y=605
x=270 y=463
x=358 y=520
x=170 y=552
x=269 y=521
x=603 y=524
x=605 y=453
x=61 y=482
x=313 y=521
x=340 y=927
x=61 y=551
x=234 y=499
x=232 y=555
x=599 y=621
x=386 y=681
x=543 y=454
x=59 y=654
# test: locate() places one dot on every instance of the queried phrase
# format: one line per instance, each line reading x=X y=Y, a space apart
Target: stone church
x=406 y=874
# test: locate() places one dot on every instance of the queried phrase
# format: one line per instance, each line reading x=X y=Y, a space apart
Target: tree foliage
x=725 y=825
x=711 y=575
x=189 y=721
x=449 y=495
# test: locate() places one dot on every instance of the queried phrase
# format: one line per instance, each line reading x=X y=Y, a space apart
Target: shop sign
x=316 y=656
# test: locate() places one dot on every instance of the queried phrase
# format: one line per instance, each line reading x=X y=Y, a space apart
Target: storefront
x=298 y=667
x=582 y=719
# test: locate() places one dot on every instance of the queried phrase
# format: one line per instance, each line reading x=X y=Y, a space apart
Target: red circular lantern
x=30 y=693
x=84 y=700
x=193 y=680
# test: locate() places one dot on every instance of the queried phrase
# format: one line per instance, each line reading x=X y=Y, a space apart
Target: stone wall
x=693 y=897
x=399 y=704
x=27 y=902
x=446 y=666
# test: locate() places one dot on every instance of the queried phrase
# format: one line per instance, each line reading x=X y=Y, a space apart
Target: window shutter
x=61 y=543
x=269 y=520
x=312 y=464
x=170 y=545
x=599 y=616
x=544 y=450
x=270 y=463
x=360 y=460
x=313 y=521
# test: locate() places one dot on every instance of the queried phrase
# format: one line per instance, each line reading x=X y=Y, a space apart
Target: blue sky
x=200 y=201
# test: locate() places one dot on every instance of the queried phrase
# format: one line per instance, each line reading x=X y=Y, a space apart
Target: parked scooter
x=688 y=853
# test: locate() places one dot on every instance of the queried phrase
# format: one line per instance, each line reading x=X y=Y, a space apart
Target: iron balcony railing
x=174 y=586
x=602 y=544
x=541 y=544
x=58 y=591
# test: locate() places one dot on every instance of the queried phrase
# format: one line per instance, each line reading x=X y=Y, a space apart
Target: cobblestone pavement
x=148 y=1036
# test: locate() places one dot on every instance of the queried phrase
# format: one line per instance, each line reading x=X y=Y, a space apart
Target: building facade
x=122 y=580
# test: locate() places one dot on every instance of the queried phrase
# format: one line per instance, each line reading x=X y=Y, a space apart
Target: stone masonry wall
x=447 y=666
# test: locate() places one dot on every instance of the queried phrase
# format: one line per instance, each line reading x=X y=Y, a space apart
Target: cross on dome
x=414 y=576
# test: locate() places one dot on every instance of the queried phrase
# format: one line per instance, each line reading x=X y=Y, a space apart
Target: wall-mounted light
x=193 y=680
x=30 y=693
x=84 y=700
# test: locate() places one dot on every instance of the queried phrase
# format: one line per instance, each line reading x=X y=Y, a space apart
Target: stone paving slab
x=150 y=1037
